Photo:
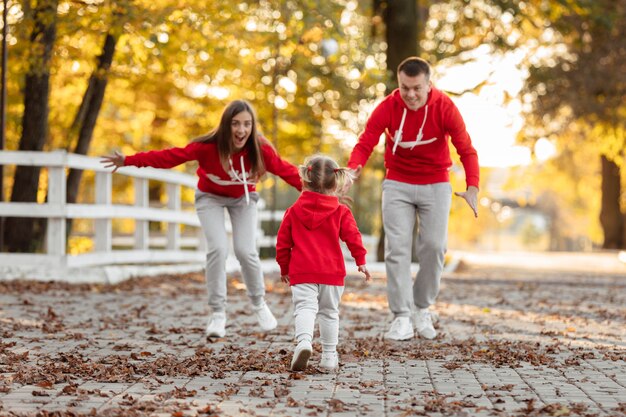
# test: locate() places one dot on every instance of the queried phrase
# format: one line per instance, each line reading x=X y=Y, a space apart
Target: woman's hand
x=116 y=160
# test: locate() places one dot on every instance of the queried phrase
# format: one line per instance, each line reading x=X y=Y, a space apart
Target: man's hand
x=355 y=173
x=363 y=269
x=116 y=160
x=471 y=196
x=285 y=279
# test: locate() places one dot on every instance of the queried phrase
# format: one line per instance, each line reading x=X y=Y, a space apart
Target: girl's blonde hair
x=323 y=175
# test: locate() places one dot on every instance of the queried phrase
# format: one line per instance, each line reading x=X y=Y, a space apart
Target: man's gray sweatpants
x=402 y=203
x=210 y=209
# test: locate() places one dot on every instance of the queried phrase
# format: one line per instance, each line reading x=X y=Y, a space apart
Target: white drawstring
x=420 y=135
x=398 y=135
x=243 y=180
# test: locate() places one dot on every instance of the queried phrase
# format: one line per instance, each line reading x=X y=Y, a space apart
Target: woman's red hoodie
x=212 y=178
x=418 y=159
x=307 y=247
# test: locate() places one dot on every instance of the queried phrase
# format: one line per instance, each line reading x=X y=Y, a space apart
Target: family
x=416 y=120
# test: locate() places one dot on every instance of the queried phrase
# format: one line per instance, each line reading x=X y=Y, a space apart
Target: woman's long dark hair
x=222 y=136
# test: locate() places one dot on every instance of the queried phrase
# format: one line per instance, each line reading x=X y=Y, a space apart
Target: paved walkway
x=514 y=341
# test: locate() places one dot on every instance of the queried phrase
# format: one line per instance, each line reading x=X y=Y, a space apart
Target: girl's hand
x=116 y=160
x=285 y=279
x=363 y=269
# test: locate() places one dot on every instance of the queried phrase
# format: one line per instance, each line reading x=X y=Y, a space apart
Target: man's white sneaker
x=301 y=355
x=423 y=322
x=217 y=325
x=329 y=361
x=266 y=319
x=400 y=329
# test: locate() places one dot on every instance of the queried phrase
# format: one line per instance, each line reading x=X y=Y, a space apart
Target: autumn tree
x=580 y=87
x=19 y=231
x=449 y=33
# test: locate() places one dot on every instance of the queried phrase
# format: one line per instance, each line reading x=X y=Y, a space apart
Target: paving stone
x=507 y=336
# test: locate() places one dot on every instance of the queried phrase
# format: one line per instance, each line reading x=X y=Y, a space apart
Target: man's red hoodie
x=307 y=247
x=418 y=158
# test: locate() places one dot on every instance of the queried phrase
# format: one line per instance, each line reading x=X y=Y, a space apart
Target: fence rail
x=56 y=210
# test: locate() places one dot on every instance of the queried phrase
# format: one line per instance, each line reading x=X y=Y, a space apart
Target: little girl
x=231 y=158
x=311 y=260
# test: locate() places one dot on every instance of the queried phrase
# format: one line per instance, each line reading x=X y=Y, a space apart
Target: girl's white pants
x=311 y=300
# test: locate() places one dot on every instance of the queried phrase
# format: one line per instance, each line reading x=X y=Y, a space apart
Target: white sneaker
x=301 y=355
x=329 y=361
x=400 y=329
x=217 y=325
x=266 y=319
x=423 y=322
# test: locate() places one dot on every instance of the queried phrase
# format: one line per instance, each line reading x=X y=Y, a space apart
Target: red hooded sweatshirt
x=422 y=156
x=212 y=178
x=307 y=247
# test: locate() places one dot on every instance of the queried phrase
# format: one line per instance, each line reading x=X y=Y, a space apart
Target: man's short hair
x=413 y=66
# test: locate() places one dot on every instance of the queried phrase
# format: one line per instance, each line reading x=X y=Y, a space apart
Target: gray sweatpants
x=210 y=209
x=401 y=203
x=317 y=300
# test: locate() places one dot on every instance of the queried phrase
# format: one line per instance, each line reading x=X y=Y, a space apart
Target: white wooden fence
x=103 y=211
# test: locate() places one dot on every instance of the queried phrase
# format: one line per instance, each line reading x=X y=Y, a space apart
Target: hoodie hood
x=433 y=96
x=312 y=208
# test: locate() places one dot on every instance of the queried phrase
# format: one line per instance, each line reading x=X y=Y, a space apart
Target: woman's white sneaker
x=400 y=329
x=301 y=356
x=266 y=319
x=423 y=321
x=217 y=325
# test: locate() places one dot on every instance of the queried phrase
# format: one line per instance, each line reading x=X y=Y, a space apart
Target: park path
x=524 y=337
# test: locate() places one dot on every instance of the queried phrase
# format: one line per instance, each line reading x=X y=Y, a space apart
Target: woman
x=231 y=159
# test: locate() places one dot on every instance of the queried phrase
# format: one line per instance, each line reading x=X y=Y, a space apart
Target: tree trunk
x=87 y=115
x=401 y=33
x=401 y=20
x=20 y=233
x=611 y=218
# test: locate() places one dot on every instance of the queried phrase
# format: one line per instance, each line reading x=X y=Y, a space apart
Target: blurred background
x=540 y=83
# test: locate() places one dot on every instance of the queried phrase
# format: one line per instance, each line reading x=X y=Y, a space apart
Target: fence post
x=103 y=227
x=141 y=226
x=173 y=229
x=55 y=236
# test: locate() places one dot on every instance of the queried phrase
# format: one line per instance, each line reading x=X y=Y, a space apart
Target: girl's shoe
x=217 y=325
x=266 y=319
x=329 y=361
x=301 y=356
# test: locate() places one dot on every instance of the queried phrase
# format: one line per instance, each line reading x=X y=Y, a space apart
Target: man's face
x=414 y=90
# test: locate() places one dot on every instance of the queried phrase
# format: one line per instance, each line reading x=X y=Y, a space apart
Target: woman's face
x=240 y=128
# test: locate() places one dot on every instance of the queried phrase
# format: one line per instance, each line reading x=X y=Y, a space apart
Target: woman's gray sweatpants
x=402 y=203
x=210 y=209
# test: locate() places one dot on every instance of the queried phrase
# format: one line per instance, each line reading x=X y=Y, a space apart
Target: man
x=417 y=120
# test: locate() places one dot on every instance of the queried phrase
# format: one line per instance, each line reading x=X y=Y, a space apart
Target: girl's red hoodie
x=422 y=156
x=212 y=178
x=307 y=247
